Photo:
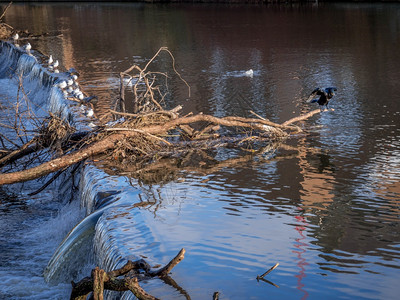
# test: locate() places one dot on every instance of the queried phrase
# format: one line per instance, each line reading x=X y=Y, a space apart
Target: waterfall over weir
x=100 y=194
x=90 y=242
x=36 y=80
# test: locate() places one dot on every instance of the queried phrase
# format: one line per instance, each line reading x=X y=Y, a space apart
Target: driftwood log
x=101 y=280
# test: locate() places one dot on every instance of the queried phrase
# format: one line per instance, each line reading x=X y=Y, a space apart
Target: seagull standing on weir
x=28 y=48
x=62 y=85
x=53 y=66
x=325 y=96
x=15 y=38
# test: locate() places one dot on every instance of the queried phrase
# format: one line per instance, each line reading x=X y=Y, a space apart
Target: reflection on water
x=326 y=208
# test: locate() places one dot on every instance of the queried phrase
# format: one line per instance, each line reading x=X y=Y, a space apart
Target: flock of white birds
x=69 y=86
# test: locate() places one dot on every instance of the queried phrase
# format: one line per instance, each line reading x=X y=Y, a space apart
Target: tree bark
x=61 y=162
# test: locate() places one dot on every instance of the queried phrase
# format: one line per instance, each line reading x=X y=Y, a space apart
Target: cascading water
x=44 y=94
x=78 y=243
x=95 y=239
x=28 y=92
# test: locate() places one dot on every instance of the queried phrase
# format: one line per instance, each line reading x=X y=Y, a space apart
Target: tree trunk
x=61 y=162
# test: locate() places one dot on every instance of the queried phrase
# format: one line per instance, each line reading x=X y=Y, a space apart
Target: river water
x=325 y=205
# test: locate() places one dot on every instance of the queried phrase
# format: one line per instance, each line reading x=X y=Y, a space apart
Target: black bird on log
x=325 y=95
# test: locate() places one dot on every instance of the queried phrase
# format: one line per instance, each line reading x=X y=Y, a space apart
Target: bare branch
x=5 y=10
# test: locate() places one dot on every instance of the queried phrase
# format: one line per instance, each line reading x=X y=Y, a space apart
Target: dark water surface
x=326 y=206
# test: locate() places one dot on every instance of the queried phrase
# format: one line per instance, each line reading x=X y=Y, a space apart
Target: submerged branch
x=101 y=280
x=176 y=260
x=5 y=10
x=268 y=271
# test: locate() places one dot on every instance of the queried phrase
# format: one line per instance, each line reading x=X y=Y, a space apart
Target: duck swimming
x=325 y=96
x=249 y=73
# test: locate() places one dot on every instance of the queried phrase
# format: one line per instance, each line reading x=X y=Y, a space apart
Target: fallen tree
x=143 y=134
x=112 y=137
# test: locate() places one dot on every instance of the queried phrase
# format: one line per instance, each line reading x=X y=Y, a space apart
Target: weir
x=92 y=241
x=35 y=79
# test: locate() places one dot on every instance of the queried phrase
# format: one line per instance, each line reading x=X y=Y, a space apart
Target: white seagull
x=15 y=37
x=79 y=95
x=62 y=84
x=89 y=112
x=50 y=61
x=28 y=48
x=77 y=91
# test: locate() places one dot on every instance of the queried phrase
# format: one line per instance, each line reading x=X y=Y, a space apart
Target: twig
x=170 y=113
x=54 y=177
x=5 y=10
x=139 y=131
x=176 y=260
x=258 y=116
x=142 y=77
x=130 y=265
x=17 y=152
x=173 y=66
x=8 y=140
x=269 y=271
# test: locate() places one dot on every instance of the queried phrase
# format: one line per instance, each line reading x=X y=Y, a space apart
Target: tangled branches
x=147 y=94
x=147 y=134
x=132 y=272
x=55 y=132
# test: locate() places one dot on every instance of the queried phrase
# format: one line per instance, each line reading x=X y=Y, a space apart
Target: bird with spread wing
x=325 y=95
